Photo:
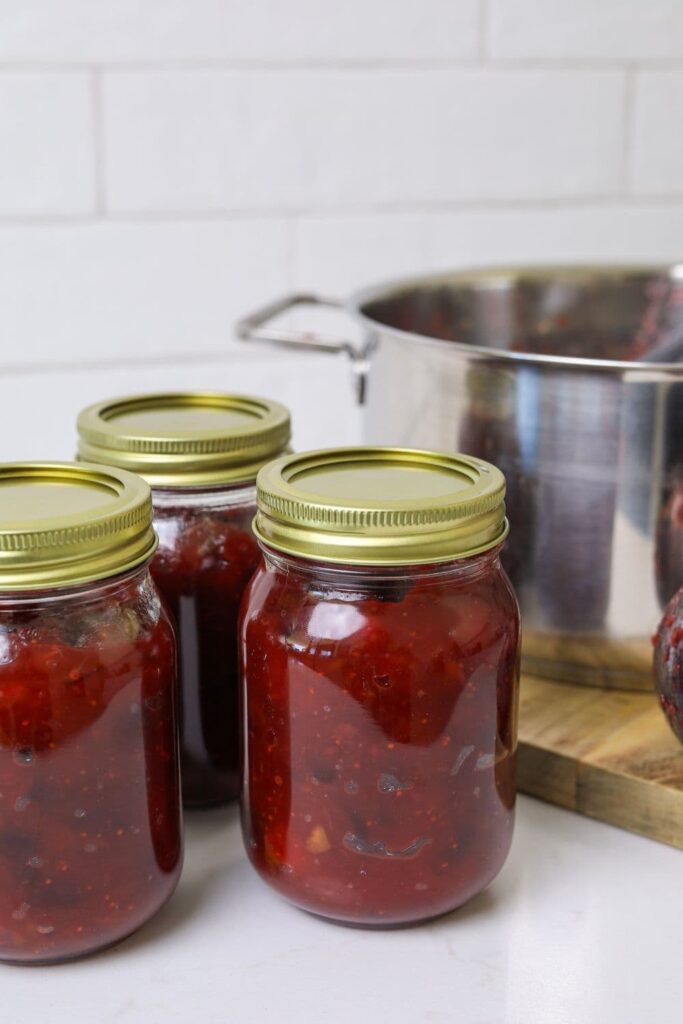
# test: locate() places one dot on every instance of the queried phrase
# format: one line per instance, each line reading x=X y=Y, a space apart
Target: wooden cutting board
x=607 y=754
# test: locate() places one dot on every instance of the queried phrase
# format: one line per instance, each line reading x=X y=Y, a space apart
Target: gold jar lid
x=380 y=506
x=64 y=523
x=187 y=438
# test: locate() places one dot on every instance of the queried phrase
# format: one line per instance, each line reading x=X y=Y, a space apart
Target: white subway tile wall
x=222 y=141
x=167 y=166
x=47 y=161
x=123 y=31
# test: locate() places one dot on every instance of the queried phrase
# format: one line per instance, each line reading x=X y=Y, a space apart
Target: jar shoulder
x=410 y=610
x=128 y=613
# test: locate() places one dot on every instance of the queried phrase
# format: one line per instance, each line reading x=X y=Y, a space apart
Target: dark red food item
x=668 y=662
x=669 y=541
x=90 y=827
x=381 y=733
x=207 y=554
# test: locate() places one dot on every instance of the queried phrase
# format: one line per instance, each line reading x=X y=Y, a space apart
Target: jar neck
x=108 y=588
x=205 y=497
x=352 y=575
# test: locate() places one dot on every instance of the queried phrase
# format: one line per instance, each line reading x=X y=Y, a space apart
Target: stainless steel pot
x=571 y=380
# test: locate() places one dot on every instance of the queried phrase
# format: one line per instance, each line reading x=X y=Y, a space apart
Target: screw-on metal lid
x=65 y=523
x=380 y=506
x=185 y=439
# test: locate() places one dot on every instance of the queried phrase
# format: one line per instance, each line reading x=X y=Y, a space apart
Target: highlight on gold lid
x=65 y=523
x=186 y=438
x=380 y=506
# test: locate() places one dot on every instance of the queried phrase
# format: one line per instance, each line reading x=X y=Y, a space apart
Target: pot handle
x=254 y=328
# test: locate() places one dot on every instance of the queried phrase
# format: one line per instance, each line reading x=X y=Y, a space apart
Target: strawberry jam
x=200 y=452
x=381 y=733
x=206 y=556
x=90 y=829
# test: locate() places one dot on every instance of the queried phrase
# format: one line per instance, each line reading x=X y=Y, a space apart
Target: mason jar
x=380 y=661
x=200 y=452
x=90 y=822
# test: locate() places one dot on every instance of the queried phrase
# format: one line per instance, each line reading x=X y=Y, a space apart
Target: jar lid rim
x=185 y=438
x=380 y=505
x=68 y=523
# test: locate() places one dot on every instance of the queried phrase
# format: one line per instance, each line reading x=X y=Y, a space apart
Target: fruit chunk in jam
x=90 y=830
x=206 y=556
x=668 y=662
x=381 y=733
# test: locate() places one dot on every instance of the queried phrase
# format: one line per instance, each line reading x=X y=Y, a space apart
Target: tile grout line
x=301 y=214
x=98 y=143
x=482 y=61
x=627 y=155
x=484 y=22
x=231 y=354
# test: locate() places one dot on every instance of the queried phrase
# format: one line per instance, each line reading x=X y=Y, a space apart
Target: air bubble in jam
x=463 y=754
x=388 y=783
x=484 y=762
x=380 y=849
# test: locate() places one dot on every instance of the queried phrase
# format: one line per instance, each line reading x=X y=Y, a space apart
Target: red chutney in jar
x=380 y=700
x=206 y=557
x=90 y=824
x=200 y=452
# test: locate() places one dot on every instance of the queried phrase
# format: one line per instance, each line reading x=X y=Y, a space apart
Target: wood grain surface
x=603 y=753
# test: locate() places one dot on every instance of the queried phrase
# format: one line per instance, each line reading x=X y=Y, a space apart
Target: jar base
x=55 y=961
x=379 y=925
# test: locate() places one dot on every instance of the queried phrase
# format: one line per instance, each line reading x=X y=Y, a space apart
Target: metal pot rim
x=505 y=274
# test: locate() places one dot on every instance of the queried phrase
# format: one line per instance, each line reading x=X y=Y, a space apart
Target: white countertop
x=583 y=925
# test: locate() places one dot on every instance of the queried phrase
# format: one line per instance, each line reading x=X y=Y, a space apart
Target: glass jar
x=200 y=452
x=380 y=654
x=668 y=663
x=90 y=823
